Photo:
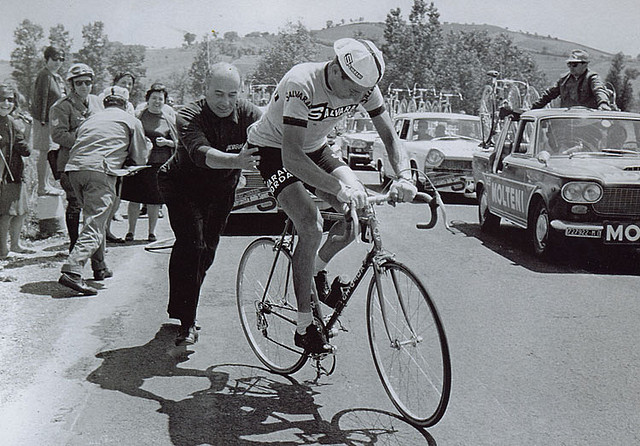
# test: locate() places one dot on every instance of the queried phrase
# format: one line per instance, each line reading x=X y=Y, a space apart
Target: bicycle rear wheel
x=530 y=97
x=267 y=305
x=488 y=118
x=408 y=344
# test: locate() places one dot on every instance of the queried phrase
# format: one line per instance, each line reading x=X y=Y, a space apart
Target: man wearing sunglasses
x=66 y=116
x=48 y=88
x=579 y=87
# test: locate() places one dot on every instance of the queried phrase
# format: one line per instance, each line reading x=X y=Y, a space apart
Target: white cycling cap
x=116 y=91
x=361 y=60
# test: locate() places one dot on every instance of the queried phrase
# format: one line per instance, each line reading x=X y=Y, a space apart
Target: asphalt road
x=543 y=353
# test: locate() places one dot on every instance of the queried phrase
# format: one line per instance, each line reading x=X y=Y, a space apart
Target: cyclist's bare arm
x=300 y=165
x=393 y=145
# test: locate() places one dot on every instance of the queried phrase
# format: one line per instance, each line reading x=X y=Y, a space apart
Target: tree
x=411 y=48
x=292 y=46
x=620 y=79
x=95 y=53
x=397 y=40
x=207 y=55
x=59 y=37
x=26 y=58
x=189 y=39
x=178 y=85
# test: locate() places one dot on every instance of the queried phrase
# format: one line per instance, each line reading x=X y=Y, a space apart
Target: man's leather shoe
x=101 y=274
x=77 y=283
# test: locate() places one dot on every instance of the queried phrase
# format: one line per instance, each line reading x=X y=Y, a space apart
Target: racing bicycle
x=405 y=332
x=509 y=93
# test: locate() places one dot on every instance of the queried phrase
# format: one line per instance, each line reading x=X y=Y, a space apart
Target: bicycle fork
x=396 y=344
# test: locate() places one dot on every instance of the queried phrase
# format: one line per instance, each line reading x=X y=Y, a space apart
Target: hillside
x=548 y=52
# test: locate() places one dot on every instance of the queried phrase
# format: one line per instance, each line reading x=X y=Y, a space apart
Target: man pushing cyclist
x=291 y=136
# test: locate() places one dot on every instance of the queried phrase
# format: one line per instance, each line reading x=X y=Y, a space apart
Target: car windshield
x=361 y=125
x=565 y=136
x=425 y=129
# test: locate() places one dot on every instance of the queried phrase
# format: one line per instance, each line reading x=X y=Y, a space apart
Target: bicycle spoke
x=265 y=301
x=408 y=345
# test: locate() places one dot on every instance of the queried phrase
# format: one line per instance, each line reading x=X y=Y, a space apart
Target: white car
x=357 y=141
x=439 y=144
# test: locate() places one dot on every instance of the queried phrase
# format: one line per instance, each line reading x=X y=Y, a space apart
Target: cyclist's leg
x=334 y=245
x=298 y=205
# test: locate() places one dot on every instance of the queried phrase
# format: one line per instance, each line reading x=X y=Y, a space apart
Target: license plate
x=621 y=233
x=583 y=232
x=446 y=180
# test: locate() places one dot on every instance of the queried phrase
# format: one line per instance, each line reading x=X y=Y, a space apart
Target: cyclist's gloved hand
x=402 y=190
x=353 y=195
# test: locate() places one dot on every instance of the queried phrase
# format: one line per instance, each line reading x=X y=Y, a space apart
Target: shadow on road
x=242 y=405
x=569 y=256
x=54 y=290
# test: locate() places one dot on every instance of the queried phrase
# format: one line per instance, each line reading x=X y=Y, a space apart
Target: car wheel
x=488 y=221
x=540 y=229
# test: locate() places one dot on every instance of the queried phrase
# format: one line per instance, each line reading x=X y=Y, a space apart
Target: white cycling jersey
x=303 y=98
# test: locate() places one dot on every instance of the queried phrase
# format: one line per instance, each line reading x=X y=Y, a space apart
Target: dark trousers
x=197 y=223
x=72 y=213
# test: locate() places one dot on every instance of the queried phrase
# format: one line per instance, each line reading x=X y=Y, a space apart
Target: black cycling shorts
x=277 y=177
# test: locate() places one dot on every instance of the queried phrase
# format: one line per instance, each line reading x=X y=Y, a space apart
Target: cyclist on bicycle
x=579 y=87
x=291 y=136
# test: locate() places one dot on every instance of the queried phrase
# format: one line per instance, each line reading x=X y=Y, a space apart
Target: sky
x=610 y=26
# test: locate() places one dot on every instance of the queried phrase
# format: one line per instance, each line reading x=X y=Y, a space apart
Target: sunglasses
x=574 y=64
x=80 y=83
x=7 y=99
x=58 y=58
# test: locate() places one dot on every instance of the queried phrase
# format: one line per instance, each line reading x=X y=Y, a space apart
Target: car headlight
x=358 y=144
x=434 y=158
x=581 y=192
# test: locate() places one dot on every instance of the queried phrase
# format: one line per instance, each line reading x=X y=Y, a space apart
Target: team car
x=563 y=174
x=439 y=144
x=357 y=141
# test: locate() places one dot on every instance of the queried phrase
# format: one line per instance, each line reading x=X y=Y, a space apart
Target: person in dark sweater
x=198 y=186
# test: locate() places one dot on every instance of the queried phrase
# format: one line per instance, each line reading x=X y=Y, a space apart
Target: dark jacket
x=587 y=91
x=199 y=129
x=13 y=150
x=49 y=87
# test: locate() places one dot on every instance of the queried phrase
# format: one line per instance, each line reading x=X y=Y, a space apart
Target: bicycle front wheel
x=408 y=344
x=267 y=305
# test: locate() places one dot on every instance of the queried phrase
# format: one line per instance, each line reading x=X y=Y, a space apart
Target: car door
x=509 y=193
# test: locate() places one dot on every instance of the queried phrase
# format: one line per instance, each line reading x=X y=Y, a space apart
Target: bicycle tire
x=403 y=106
x=513 y=96
x=488 y=118
x=269 y=319
x=530 y=97
x=413 y=365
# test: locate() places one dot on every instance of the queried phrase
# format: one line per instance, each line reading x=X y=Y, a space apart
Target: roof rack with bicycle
x=418 y=99
x=502 y=92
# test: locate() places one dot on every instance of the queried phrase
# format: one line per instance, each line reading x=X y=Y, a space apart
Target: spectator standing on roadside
x=198 y=185
x=579 y=87
x=159 y=122
x=13 y=193
x=125 y=80
x=48 y=88
x=66 y=116
x=107 y=143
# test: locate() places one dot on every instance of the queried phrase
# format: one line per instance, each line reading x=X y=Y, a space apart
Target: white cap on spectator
x=361 y=60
